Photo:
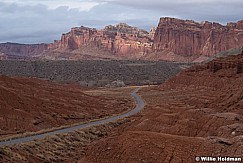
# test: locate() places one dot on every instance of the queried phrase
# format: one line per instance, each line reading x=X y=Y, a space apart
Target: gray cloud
x=29 y=24
x=35 y=23
x=212 y=10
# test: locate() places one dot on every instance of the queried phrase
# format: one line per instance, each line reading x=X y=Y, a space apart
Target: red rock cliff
x=188 y=38
x=121 y=40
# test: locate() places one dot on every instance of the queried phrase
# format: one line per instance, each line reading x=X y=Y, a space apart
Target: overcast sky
x=42 y=21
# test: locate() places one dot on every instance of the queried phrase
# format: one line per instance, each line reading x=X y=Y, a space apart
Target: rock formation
x=116 y=41
x=189 y=38
x=120 y=40
x=173 y=39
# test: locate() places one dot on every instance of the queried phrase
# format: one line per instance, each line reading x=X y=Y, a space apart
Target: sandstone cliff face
x=188 y=38
x=173 y=39
x=113 y=42
x=120 y=40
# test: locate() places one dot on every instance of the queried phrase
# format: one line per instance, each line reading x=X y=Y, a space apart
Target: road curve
x=139 y=107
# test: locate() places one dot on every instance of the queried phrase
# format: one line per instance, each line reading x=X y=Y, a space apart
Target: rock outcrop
x=173 y=40
x=188 y=38
x=119 y=40
x=82 y=42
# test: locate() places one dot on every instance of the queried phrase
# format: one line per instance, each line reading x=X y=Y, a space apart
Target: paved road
x=140 y=105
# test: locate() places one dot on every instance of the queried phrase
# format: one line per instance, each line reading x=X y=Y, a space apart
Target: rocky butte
x=190 y=39
x=120 y=40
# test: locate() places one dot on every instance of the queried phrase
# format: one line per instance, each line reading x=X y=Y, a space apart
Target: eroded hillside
x=29 y=104
x=196 y=113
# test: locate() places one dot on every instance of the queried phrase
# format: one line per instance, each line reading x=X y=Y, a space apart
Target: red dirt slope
x=28 y=104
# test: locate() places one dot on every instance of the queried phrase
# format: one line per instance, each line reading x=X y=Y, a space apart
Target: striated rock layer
x=120 y=40
x=173 y=40
x=188 y=38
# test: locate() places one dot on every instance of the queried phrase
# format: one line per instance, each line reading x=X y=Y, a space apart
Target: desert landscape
x=116 y=81
x=195 y=113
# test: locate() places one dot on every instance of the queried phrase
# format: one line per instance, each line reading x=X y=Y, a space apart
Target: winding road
x=139 y=107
